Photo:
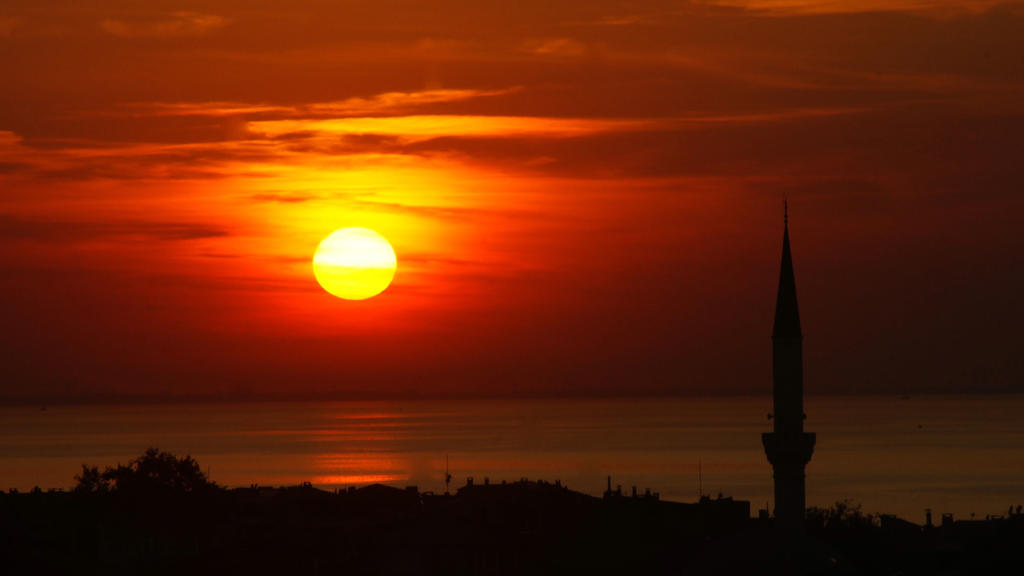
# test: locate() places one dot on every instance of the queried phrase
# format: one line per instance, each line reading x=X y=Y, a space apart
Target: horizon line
x=45 y=401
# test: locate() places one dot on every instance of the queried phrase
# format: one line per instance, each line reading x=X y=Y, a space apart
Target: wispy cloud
x=175 y=24
x=856 y=6
x=307 y=135
x=282 y=197
x=400 y=101
x=619 y=20
x=384 y=103
x=86 y=159
x=555 y=47
x=422 y=127
x=41 y=230
x=9 y=139
x=215 y=109
x=403 y=133
x=7 y=25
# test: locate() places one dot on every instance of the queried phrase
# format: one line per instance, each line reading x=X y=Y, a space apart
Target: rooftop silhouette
x=493 y=527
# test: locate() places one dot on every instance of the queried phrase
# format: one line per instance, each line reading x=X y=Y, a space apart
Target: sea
x=888 y=454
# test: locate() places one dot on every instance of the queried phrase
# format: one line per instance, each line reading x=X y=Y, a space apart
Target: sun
x=354 y=263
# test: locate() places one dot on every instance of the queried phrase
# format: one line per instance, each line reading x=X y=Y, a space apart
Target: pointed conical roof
x=787 y=313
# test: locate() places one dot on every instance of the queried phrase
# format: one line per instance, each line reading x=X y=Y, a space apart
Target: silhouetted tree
x=91 y=480
x=844 y=514
x=153 y=471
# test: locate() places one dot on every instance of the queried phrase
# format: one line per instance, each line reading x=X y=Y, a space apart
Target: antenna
x=447 y=475
x=700 y=477
x=785 y=211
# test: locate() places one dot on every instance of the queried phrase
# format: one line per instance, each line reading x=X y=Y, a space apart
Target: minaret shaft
x=787 y=387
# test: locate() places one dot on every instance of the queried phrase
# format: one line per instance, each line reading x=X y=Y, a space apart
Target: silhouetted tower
x=788 y=447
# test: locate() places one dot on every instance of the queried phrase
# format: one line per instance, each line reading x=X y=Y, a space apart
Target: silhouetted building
x=788 y=447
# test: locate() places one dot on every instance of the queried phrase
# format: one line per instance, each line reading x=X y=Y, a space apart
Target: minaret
x=788 y=447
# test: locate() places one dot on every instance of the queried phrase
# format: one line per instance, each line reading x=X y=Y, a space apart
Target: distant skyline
x=585 y=198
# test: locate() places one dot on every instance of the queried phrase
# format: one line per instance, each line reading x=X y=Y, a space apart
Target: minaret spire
x=787 y=312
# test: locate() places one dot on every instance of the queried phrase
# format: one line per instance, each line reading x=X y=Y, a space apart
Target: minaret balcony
x=788 y=449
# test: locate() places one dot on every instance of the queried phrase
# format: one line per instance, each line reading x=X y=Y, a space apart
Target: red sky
x=584 y=197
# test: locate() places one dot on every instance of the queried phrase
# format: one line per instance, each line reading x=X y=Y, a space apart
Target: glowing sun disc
x=354 y=263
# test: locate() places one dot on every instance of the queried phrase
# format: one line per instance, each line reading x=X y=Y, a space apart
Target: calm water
x=959 y=454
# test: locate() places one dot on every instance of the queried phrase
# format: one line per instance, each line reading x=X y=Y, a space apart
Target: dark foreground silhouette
x=161 y=515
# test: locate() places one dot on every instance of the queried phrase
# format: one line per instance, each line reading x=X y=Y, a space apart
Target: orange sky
x=584 y=197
